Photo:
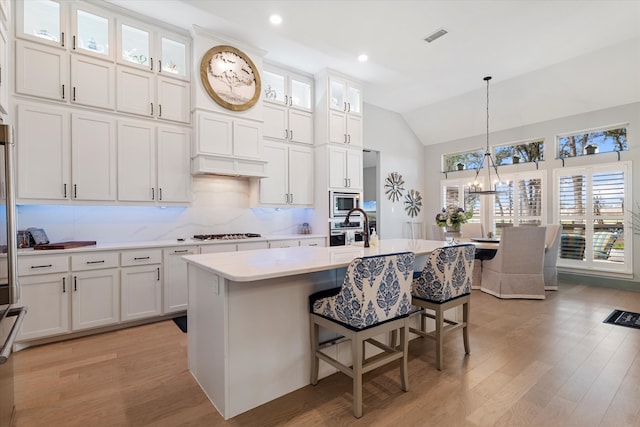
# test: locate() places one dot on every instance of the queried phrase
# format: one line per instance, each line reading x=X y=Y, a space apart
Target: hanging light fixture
x=487 y=162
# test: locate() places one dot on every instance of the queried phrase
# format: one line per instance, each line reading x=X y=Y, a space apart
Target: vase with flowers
x=452 y=217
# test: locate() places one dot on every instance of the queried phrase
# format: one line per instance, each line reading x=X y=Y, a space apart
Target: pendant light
x=487 y=162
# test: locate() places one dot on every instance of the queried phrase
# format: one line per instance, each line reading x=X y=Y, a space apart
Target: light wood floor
x=532 y=363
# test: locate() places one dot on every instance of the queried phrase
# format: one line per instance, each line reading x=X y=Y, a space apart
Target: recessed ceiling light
x=275 y=19
x=363 y=58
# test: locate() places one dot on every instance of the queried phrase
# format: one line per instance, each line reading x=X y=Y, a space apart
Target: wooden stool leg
x=393 y=338
x=465 y=328
x=404 y=343
x=358 y=353
x=439 y=336
x=315 y=362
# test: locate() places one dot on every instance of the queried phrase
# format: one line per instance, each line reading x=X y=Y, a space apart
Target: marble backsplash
x=219 y=205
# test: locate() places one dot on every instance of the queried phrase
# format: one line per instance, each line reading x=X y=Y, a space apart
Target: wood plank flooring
x=532 y=363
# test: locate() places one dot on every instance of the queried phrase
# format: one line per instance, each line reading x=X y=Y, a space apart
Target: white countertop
x=269 y=263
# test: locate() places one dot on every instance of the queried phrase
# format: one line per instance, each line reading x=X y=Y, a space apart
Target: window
x=519 y=201
x=594 y=141
x=457 y=194
x=532 y=151
x=591 y=209
x=470 y=160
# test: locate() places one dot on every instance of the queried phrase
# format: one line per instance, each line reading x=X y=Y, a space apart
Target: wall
x=629 y=113
x=400 y=151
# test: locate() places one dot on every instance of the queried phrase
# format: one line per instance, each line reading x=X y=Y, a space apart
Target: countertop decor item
x=413 y=203
x=230 y=78
x=487 y=162
x=394 y=186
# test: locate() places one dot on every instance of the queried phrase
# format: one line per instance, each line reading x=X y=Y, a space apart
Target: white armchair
x=517 y=269
x=552 y=246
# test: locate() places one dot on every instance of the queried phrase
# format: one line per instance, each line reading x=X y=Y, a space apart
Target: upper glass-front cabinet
x=135 y=44
x=173 y=58
x=344 y=96
x=42 y=20
x=287 y=88
x=92 y=31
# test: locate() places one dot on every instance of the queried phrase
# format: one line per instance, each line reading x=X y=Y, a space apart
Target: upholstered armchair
x=445 y=282
x=602 y=243
x=551 y=250
x=374 y=299
x=517 y=269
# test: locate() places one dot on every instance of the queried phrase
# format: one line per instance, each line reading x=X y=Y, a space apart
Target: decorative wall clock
x=230 y=78
x=413 y=203
x=394 y=186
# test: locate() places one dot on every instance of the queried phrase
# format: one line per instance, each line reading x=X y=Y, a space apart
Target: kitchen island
x=248 y=317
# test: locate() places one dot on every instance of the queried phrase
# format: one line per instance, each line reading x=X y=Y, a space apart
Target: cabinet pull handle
x=151 y=114
x=180 y=251
x=345 y=106
x=286 y=99
x=42 y=266
x=159 y=65
x=159 y=110
x=75 y=283
x=290 y=101
x=345 y=138
x=158 y=273
x=349 y=179
x=64 y=187
x=74 y=94
x=73 y=46
x=286 y=197
x=348 y=107
x=153 y=193
x=349 y=139
x=291 y=135
x=286 y=133
x=313 y=244
x=159 y=193
x=291 y=201
x=62 y=38
x=75 y=191
x=95 y=262
x=151 y=62
x=138 y=258
x=63 y=92
x=64 y=285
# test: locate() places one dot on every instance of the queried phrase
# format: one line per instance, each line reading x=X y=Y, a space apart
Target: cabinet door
x=283 y=244
x=44 y=21
x=300 y=126
x=136 y=162
x=337 y=168
x=354 y=99
x=174 y=102
x=275 y=121
x=218 y=247
x=47 y=297
x=42 y=71
x=337 y=127
x=337 y=95
x=135 y=92
x=43 y=152
x=319 y=241
x=174 y=56
x=215 y=135
x=95 y=299
x=141 y=292
x=93 y=82
x=4 y=68
x=274 y=188
x=174 y=173
x=247 y=139
x=175 y=278
x=300 y=92
x=92 y=31
x=354 y=130
x=135 y=44
x=354 y=169
x=300 y=175
x=93 y=157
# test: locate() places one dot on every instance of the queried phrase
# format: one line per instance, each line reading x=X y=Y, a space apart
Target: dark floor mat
x=624 y=318
x=181 y=322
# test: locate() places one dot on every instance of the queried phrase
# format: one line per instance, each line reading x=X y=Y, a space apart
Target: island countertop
x=263 y=264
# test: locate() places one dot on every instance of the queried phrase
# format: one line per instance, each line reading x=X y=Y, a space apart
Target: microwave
x=342 y=203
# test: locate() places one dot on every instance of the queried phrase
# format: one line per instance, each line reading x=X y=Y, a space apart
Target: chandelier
x=487 y=163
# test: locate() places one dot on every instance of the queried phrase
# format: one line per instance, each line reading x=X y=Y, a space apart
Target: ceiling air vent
x=434 y=36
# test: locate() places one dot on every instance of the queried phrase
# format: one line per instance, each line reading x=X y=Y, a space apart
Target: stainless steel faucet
x=366 y=224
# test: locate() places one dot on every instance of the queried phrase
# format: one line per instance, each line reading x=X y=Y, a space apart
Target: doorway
x=370 y=187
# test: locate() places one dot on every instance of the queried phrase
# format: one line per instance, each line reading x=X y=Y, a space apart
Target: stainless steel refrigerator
x=10 y=315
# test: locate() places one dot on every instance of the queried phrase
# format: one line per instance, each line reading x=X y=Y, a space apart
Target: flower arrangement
x=452 y=216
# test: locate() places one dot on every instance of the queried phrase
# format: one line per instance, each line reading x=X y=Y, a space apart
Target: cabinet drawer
x=29 y=266
x=94 y=261
x=141 y=257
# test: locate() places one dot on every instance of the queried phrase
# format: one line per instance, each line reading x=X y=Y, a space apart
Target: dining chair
x=445 y=283
x=551 y=250
x=516 y=271
x=374 y=299
x=438 y=232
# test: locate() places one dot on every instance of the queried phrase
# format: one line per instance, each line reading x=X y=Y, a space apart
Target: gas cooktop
x=225 y=236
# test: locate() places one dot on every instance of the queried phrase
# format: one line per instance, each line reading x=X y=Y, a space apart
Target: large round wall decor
x=393 y=185
x=413 y=203
x=230 y=78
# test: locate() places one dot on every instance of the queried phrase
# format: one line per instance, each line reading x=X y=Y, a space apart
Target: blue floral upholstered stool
x=445 y=282
x=375 y=298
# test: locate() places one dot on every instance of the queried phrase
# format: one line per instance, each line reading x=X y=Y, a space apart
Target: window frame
x=516 y=217
x=588 y=131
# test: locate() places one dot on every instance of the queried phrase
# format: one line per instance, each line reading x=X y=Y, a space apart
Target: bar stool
x=445 y=282
x=375 y=298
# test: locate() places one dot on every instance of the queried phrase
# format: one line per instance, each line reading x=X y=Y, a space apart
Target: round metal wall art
x=413 y=203
x=394 y=186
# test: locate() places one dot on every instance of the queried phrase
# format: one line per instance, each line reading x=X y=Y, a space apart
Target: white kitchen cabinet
x=315 y=241
x=291 y=243
x=175 y=278
x=249 y=246
x=44 y=21
x=47 y=299
x=42 y=71
x=287 y=88
x=345 y=128
x=42 y=169
x=136 y=92
x=174 y=100
x=93 y=157
x=141 y=284
x=345 y=168
x=93 y=82
x=95 y=298
x=345 y=95
x=287 y=124
x=4 y=71
x=290 y=178
x=92 y=31
x=218 y=247
x=173 y=164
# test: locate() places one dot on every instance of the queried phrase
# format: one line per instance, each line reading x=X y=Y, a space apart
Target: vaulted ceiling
x=548 y=58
